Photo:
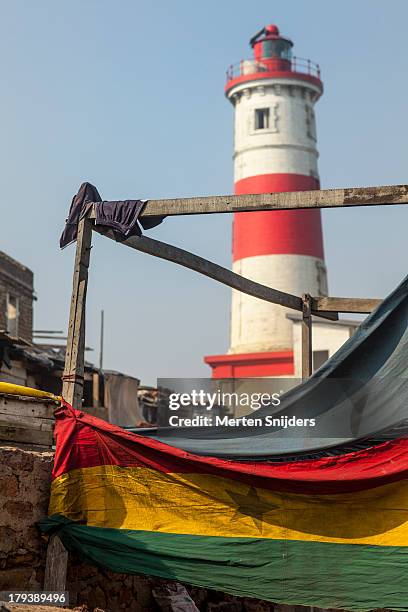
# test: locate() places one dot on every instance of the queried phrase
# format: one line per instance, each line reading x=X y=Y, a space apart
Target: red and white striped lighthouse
x=273 y=95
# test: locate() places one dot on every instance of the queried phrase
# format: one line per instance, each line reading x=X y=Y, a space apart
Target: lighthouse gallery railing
x=252 y=66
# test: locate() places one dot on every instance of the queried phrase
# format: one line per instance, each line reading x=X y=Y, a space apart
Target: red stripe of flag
x=85 y=441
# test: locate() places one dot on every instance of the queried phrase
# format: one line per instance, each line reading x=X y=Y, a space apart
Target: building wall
x=17 y=280
x=325 y=337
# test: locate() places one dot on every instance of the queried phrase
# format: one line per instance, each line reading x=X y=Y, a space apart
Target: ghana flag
x=330 y=532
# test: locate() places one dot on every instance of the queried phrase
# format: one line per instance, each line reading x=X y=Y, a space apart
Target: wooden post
x=307 y=336
x=56 y=565
x=73 y=383
x=73 y=378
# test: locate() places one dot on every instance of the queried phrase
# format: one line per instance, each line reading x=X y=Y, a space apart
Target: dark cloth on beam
x=117 y=219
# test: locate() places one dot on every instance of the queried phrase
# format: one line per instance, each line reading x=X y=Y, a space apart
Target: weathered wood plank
x=12 y=433
x=56 y=565
x=26 y=422
x=307 y=336
x=72 y=388
x=27 y=408
x=336 y=304
x=319 y=198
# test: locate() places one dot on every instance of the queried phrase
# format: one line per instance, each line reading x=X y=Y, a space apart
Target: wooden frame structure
x=326 y=307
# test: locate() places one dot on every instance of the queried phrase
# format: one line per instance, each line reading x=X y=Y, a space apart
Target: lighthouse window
x=277 y=48
x=261 y=118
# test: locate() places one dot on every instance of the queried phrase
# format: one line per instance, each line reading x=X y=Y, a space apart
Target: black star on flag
x=251 y=505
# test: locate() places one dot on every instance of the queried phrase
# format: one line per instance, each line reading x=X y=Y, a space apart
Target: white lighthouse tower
x=275 y=149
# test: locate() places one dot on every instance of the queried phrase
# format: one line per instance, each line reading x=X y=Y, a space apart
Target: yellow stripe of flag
x=204 y=504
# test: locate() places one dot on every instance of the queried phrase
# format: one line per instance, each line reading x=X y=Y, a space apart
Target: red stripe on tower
x=286 y=231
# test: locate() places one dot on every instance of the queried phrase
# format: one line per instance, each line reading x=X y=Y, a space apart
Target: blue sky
x=129 y=96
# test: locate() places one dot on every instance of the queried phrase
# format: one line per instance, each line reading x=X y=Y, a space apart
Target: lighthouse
x=275 y=149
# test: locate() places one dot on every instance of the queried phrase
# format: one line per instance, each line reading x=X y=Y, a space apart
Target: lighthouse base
x=252 y=365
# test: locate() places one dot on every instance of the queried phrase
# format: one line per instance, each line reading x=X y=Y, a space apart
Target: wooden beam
x=319 y=198
x=306 y=336
x=27 y=406
x=336 y=304
x=162 y=250
x=27 y=420
x=73 y=377
x=10 y=432
x=213 y=270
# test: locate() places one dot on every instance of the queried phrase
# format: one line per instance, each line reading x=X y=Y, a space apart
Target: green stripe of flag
x=325 y=575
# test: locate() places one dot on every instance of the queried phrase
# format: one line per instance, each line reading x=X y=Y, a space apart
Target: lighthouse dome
x=270 y=46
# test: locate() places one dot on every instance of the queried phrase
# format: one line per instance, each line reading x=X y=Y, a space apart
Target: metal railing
x=251 y=66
